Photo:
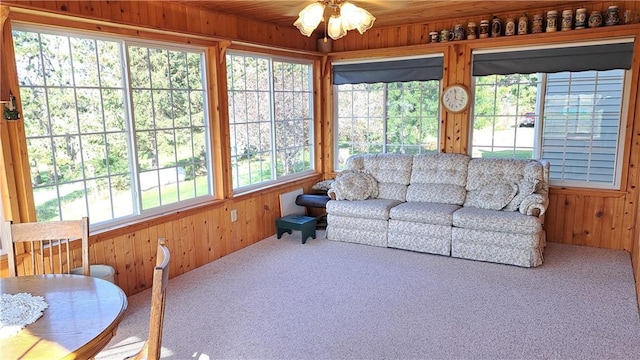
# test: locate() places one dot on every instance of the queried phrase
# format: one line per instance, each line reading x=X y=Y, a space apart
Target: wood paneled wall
x=587 y=217
x=576 y=216
x=175 y=17
x=196 y=236
x=605 y=219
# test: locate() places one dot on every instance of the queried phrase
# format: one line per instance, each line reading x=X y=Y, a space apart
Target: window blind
x=420 y=69
x=582 y=125
x=551 y=60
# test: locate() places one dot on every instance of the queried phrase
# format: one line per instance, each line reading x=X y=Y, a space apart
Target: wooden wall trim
x=17 y=182
x=327 y=118
x=392 y=51
x=318 y=136
x=302 y=54
x=100 y=235
x=617 y=194
x=165 y=17
x=218 y=118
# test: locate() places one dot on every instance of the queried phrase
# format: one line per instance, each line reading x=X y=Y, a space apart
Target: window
x=270 y=119
x=574 y=119
x=114 y=130
x=385 y=107
x=387 y=118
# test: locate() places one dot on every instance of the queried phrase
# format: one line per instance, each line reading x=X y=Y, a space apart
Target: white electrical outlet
x=234 y=215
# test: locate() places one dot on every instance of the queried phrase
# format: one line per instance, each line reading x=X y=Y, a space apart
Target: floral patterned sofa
x=448 y=204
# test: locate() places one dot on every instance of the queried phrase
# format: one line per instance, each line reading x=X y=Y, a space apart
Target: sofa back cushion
x=391 y=171
x=500 y=184
x=438 y=178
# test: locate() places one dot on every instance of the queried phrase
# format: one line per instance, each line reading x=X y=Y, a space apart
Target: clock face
x=455 y=98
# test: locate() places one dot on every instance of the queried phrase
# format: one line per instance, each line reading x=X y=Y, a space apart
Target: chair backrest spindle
x=47 y=241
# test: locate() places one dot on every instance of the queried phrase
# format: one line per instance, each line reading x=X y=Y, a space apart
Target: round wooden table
x=83 y=315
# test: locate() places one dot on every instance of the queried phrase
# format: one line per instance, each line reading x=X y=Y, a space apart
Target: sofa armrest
x=534 y=204
x=332 y=194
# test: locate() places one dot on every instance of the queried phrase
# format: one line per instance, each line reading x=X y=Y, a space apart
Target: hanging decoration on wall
x=10 y=108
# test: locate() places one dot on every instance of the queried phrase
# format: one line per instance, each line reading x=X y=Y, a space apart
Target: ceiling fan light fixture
x=354 y=17
x=335 y=28
x=309 y=18
x=346 y=16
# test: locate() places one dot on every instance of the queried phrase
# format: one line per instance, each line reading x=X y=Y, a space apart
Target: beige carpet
x=279 y=299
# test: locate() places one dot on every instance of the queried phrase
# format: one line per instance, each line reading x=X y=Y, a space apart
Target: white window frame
x=274 y=178
x=124 y=42
x=335 y=89
x=540 y=101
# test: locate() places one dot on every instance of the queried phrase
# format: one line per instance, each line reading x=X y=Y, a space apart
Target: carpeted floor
x=279 y=299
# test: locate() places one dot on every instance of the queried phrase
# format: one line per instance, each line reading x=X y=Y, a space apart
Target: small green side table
x=306 y=224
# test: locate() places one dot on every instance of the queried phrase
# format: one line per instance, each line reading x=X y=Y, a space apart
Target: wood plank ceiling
x=387 y=12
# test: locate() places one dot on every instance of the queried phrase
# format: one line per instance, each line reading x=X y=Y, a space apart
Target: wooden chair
x=47 y=244
x=151 y=349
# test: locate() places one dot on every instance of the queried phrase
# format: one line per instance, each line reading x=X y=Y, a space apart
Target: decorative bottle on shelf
x=613 y=16
x=595 y=19
x=471 y=30
x=484 y=29
x=552 y=21
x=581 y=18
x=510 y=27
x=523 y=25
x=536 y=26
x=496 y=27
x=567 y=20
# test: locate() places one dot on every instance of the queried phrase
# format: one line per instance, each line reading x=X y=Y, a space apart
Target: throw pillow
x=534 y=173
x=492 y=196
x=354 y=185
x=525 y=188
x=322 y=186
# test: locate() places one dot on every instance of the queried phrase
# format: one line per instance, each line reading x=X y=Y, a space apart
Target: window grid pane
x=74 y=171
x=577 y=133
x=78 y=127
x=386 y=118
x=292 y=116
x=172 y=166
x=270 y=118
x=504 y=116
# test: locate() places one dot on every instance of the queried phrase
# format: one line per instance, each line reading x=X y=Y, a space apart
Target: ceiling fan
x=338 y=16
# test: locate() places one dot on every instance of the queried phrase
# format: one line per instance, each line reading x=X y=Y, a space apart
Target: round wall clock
x=455 y=98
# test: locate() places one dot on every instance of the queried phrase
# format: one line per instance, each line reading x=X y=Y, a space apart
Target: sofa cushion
x=440 y=169
x=533 y=172
x=525 y=188
x=491 y=196
x=392 y=191
x=427 y=213
x=389 y=168
x=494 y=220
x=370 y=209
x=438 y=178
x=354 y=185
x=354 y=162
x=483 y=172
x=437 y=193
x=391 y=171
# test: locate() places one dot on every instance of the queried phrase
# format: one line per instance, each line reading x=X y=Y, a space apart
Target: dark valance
x=421 y=69
x=552 y=60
